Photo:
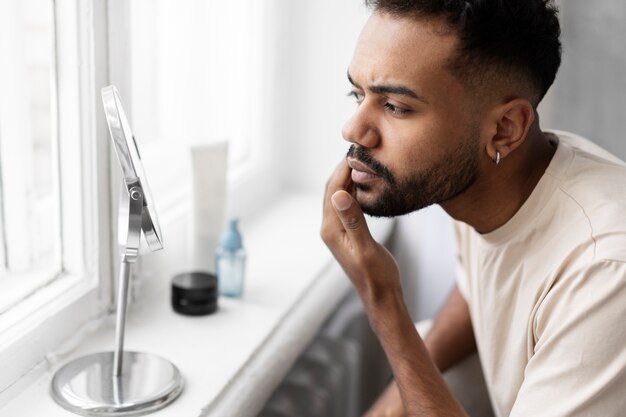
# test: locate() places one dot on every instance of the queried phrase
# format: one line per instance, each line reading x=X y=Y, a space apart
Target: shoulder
x=591 y=192
x=584 y=145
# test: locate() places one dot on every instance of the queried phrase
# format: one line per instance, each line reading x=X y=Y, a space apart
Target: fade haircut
x=506 y=41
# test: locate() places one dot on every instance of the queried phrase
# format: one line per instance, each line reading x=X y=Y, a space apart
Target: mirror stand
x=122 y=383
x=119 y=383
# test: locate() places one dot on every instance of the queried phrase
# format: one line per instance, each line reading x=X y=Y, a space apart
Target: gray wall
x=589 y=95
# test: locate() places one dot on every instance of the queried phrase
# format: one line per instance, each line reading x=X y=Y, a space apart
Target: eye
x=398 y=111
x=358 y=97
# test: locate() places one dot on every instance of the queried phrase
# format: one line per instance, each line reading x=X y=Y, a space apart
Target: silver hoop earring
x=497 y=161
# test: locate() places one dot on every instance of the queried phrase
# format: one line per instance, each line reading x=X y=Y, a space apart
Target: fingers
x=351 y=217
x=339 y=180
x=343 y=216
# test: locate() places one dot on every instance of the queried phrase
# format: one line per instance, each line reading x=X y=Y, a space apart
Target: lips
x=361 y=173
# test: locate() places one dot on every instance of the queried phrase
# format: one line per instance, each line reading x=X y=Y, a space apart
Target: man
x=446 y=94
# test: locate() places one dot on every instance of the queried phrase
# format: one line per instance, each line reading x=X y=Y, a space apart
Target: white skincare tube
x=208 y=164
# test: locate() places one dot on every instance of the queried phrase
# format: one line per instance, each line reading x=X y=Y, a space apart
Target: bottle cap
x=231 y=239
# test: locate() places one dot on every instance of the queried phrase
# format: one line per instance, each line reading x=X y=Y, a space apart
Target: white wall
x=316 y=41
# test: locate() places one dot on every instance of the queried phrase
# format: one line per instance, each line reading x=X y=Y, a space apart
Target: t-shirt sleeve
x=578 y=364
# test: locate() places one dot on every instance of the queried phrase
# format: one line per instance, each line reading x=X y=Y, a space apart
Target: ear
x=512 y=121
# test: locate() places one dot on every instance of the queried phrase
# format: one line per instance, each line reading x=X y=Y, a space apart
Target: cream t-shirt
x=547 y=291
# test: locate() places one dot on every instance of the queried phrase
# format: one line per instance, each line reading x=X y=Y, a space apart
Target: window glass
x=30 y=247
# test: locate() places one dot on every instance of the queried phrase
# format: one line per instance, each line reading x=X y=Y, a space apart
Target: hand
x=370 y=267
x=389 y=404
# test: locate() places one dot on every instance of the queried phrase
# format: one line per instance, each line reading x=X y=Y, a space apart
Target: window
x=58 y=175
x=30 y=243
x=53 y=202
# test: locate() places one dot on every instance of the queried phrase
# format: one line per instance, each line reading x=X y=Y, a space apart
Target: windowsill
x=231 y=360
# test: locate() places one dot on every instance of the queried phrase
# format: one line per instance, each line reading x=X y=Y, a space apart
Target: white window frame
x=54 y=315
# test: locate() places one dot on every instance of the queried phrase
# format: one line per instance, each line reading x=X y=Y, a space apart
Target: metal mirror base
x=86 y=386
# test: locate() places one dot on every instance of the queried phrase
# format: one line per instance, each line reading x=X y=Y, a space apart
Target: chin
x=385 y=203
x=365 y=196
x=370 y=203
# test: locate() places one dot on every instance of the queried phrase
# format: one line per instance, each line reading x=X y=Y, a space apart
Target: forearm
x=422 y=388
x=451 y=338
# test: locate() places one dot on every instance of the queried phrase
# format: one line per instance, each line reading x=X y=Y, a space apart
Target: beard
x=445 y=179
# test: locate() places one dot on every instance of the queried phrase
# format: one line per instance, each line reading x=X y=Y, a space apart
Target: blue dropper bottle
x=230 y=261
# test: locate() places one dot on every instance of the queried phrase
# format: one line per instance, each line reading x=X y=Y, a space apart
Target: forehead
x=410 y=50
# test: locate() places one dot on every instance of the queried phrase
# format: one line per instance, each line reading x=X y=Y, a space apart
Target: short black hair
x=503 y=38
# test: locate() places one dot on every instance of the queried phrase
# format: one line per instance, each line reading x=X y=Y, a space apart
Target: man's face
x=415 y=140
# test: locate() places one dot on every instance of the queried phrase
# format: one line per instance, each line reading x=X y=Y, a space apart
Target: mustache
x=363 y=155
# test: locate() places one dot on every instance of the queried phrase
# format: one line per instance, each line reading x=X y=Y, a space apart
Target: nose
x=361 y=128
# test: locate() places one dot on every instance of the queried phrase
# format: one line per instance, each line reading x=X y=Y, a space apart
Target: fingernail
x=341 y=201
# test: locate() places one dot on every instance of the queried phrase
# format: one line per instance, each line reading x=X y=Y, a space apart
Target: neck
x=501 y=190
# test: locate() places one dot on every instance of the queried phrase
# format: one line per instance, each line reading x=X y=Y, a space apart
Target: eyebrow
x=390 y=89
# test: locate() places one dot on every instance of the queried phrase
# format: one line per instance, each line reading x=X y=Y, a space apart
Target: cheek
x=419 y=147
x=421 y=142
x=405 y=159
